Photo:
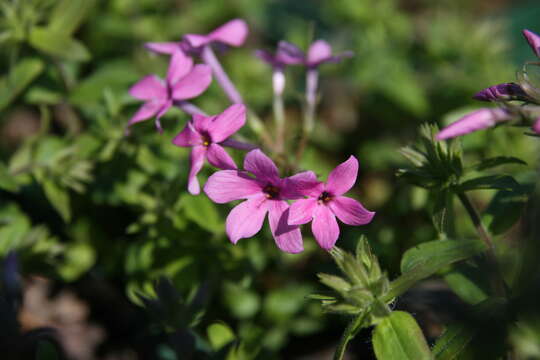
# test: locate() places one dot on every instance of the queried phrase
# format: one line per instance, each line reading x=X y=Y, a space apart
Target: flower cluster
x=259 y=183
x=523 y=91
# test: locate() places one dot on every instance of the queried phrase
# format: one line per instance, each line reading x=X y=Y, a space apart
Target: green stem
x=349 y=334
x=497 y=281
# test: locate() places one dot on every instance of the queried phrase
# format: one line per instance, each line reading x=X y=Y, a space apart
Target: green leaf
x=490 y=182
x=504 y=210
x=203 y=212
x=426 y=259
x=468 y=283
x=18 y=79
x=453 y=341
x=59 y=199
x=219 y=335
x=79 y=257
x=497 y=161
x=69 y=14
x=442 y=203
x=398 y=337
x=58 y=44
x=7 y=181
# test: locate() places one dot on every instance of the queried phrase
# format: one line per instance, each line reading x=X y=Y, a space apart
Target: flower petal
x=318 y=52
x=300 y=185
x=194 y=83
x=289 y=54
x=196 y=160
x=506 y=91
x=350 y=211
x=301 y=211
x=227 y=123
x=479 y=119
x=228 y=185
x=260 y=165
x=246 y=219
x=288 y=237
x=232 y=33
x=179 y=66
x=201 y=123
x=162 y=47
x=148 y=88
x=188 y=137
x=218 y=157
x=325 y=227
x=146 y=111
x=343 y=177
x=533 y=40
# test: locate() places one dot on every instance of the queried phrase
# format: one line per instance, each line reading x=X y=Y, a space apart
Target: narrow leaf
x=453 y=341
x=59 y=199
x=491 y=182
x=18 y=79
x=69 y=14
x=58 y=44
x=398 y=337
x=497 y=161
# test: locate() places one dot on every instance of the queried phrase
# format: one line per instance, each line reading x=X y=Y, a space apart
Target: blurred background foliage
x=105 y=217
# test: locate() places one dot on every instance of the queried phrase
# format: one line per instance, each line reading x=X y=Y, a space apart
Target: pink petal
x=194 y=83
x=202 y=122
x=288 y=237
x=301 y=211
x=227 y=123
x=228 y=185
x=146 y=111
x=300 y=185
x=232 y=33
x=238 y=144
x=246 y=219
x=197 y=40
x=196 y=160
x=179 y=66
x=289 y=54
x=536 y=126
x=350 y=211
x=318 y=52
x=218 y=157
x=479 y=119
x=343 y=177
x=162 y=47
x=187 y=137
x=533 y=40
x=260 y=165
x=325 y=227
x=148 y=88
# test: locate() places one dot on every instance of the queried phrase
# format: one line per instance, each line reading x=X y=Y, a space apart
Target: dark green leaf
x=18 y=79
x=468 y=282
x=491 y=182
x=58 y=44
x=69 y=14
x=398 y=337
x=59 y=198
x=453 y=341
x=46 y=351
x=497 y=161
x=504 y=210
x=7 y=181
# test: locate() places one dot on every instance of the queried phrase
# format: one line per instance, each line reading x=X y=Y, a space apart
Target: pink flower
x=232 y=33
x=206 y=134
x=533 y=40
x=264 y=193
x=183 y=81
x=325 y=202
x=477 y=120
x=318 y=53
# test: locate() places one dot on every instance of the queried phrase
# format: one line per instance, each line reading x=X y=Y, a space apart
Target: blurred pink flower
x=184 y=81
x=265 y=193
x=206 y=134
x=536 y=126
x=325 y=202
x=476 y=120
x=502 y=92
x=533 y=40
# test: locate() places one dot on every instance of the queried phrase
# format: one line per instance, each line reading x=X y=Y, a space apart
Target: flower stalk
x=221 y=76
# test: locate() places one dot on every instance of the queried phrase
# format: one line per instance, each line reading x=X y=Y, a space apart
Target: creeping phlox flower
x=265 y=192
x=487 y=117
x=325 y=202
x=318 y=53
x=206 y=134
x=184 y=81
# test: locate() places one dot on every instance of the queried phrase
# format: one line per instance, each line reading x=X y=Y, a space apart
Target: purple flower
x=477 y=120
x=325 y=202
x=533 y=40
x=232 y=33
x=265 y=193
x=206 y=134
x=506 y=91
x=184 y=81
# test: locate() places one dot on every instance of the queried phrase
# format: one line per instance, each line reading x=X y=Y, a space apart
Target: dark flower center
x=324 y=197
x=206 y=140
x=271 y=191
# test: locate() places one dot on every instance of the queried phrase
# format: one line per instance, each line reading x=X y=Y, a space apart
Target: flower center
x=271 y=191
x=206 y=140
x=324 y=197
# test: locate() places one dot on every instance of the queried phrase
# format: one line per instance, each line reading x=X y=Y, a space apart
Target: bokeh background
x=96 y=219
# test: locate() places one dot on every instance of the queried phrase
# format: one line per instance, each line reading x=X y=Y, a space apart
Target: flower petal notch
x=477 y=120
x=206 y=136
x=533 y=40
x=325 y=203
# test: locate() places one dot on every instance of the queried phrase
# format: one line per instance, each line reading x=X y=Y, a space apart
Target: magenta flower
x=318 y=53
x=206 y=135
x=533 y=40
x=477 y=120
x=325 y=202
x=184 y=81
x=265 y=193
x=232 y=33
x=504 y=92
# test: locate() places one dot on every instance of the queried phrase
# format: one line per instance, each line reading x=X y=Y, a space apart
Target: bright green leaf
x=18 y=79
x=58 y=44
x=203 y=212
x=7 y=181
x=69 y=14
x=219 y=335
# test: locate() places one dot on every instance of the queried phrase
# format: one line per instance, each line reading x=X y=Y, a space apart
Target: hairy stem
x=349 y=334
